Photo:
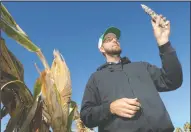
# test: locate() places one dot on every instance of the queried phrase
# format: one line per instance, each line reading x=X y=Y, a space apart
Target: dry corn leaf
x=12 y=29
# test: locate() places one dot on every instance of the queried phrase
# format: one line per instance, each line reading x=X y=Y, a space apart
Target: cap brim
x=114 y=30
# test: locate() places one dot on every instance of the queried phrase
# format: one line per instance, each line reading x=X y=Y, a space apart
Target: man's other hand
x=125 y=107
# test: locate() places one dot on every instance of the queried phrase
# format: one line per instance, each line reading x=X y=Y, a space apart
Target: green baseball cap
x=114 y=30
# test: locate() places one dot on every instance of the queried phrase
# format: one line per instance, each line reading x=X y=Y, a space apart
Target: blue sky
x=74 y=28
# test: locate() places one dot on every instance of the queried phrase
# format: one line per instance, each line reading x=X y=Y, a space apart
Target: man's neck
x=114 y=58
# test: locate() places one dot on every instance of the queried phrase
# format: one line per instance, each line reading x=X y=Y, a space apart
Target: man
x=122 y=96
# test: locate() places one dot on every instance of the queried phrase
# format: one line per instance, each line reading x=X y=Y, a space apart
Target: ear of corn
x=61 y=75
x=56 y=92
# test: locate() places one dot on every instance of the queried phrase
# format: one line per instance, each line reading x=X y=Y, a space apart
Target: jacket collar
x=123 y=61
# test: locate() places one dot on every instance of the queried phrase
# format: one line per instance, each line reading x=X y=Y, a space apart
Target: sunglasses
x=109 y=39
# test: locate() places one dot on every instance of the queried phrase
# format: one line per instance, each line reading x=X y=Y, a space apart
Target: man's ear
x=101 y=49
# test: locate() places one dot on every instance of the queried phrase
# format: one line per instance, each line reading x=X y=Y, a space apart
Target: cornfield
x=50 y=106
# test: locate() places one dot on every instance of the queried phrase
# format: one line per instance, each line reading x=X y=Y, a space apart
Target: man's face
x=111 y=45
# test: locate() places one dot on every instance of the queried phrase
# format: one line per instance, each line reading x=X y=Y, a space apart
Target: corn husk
x=56 y=92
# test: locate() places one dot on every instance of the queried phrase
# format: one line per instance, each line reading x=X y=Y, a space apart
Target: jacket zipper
x=135 y=97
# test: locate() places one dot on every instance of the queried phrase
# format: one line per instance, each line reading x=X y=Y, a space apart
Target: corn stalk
x=51 y=104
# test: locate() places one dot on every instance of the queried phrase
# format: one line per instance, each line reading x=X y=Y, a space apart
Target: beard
x=114 y=51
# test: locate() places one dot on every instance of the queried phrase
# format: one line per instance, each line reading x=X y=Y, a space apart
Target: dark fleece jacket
x=128 y=79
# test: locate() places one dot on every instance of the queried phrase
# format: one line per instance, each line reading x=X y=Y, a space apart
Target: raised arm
x=169 y=77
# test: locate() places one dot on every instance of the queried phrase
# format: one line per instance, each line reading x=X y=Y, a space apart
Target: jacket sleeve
x=93 y=112
x=169 y=77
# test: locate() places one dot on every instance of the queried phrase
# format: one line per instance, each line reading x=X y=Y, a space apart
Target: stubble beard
x=113 y=52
